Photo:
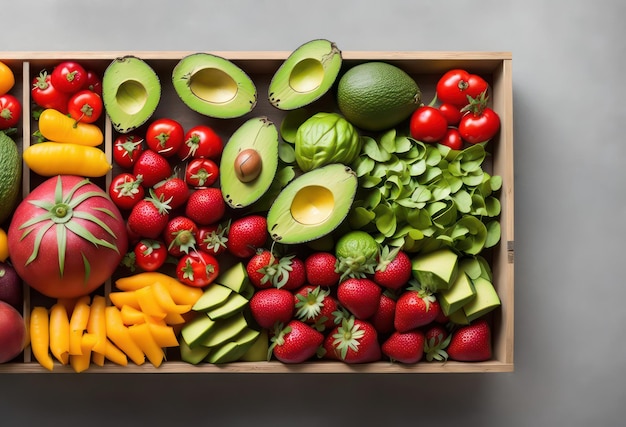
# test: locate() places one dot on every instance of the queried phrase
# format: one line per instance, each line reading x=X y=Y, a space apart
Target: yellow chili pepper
x=115 y=355
x=140 y=333
x=80 y=362
x=59 y=333
x=56 y=126
x=119 y=335
x=40 y=336
x=56 y=158
x=181 y=293
x=78 y=325
x=97 y=324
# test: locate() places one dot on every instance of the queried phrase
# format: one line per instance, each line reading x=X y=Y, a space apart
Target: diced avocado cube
x=486 y=299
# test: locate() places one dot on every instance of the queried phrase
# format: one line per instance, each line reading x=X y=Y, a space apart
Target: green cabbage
x=326 y=138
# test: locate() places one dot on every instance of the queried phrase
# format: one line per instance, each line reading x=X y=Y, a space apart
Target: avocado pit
x=248 y=165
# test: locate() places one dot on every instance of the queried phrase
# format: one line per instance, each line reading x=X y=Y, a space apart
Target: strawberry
x=394 y=268
x=272 y=305
x=385 y=313
x=174 y=188
x=262 y=269
x=320 y=269
x=315 y=306
x=295 y=343
x=354 y=341
x=361 y=296
x=415 y=307
x=149 y=217
x=180 y=235
x=437 y=339
x=205 y=206
x=291 y=274
x=471 y=343
x=246 y=234
x=152 y=167
x=404 y=347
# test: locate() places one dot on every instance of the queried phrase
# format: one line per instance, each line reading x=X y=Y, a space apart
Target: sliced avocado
x=214 y=86
x=233 y=305
x=131 y=91
x=258 y=349
x=457 y=295
x=234 y=350
x=212 y=297
x=234 y=277
x=486 y=299
x=458 y=318
x=436 y=269
x=225 y=330
x=306 y=75
x=193 y=355
x=196 y=329
x=312 y=205
x=249 y=162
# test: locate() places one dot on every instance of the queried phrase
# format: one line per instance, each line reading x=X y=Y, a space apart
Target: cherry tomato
x=165 y=136
x=452 y=113
x=46 y=95
x=201 y=173
x=201 y=141
x=126 y=150
x=212 y=238
x=197 y=269
x=455 y=85
x=452 y=139
x=10 y=111
x=94 y=82
x=480 y=126
x=69 y=77
x=150 y=254
x=85 y=106
x=126 y=190
x=428 y=124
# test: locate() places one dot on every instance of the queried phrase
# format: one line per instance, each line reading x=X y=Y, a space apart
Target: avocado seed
x=248 y=165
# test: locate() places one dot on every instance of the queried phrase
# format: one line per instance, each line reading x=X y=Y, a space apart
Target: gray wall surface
x=570 y=204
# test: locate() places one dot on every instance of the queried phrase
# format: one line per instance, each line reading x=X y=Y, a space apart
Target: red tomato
x=452 y=113
x=10 y=111
x=46 y=95
x=150 y=254
x=428 y=124
x=94 y=82
x=126 y=190
x=201 y=173
x=452 y=139
x=212 y=238
x=197 y=269
x=165 y=136
x=201 y=141
x=85 y=106
x=69 y=77
x=456 y=85
x=126 y=150
x=480 y=126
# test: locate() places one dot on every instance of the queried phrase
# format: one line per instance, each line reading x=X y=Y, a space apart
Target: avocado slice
x=212 y=297
x=234 y=277
x=225 y=330
x=249 y=162
x=313 y=204
x=459 y=293
x=437 y=269
x=486 y=299
x=214 y=86
x=131 y=91
x=233 y=305
x=306 y=75
x=197 y=329
x=258 y=349
x=234 y=350
x=193 y=355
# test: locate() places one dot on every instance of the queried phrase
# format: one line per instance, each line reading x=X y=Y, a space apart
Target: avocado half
x=249 y=162
x=214 y=86
x=313 y=204
x=131 y=91
x=306 y=75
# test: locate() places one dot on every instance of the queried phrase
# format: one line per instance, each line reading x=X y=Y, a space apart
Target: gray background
x=569 y=92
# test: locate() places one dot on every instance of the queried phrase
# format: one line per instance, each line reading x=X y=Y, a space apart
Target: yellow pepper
x=56 y=158
x=40 y=336
x=58 y=127
x=59 y=333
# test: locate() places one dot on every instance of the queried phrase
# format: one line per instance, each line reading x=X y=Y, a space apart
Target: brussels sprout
x=326 y=138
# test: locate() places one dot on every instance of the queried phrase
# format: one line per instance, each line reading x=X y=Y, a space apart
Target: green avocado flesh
x=312 y=205
x=258 y=134
x=306 y=75
x=214 y=86
x=131 y=91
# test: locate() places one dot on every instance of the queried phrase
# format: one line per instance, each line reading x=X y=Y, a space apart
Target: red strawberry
x=272 y=305
x=180 y=235
x=212 y=238
x=471 y=343
x=404 y=347
x=437 y=339
x=152 y=167
x=360 y=296
x=315 y=306
x=173 y=188
x=383 y=318
x=206 y=206
x=394 y=268
x=262 y=269
x=149 y=217
x=291 y=274
x=296 y=342
x=354 y=341
x=417 y=306
x=246 y=234
x=320 y=269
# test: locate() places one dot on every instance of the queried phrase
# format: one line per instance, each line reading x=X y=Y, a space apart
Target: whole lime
x=356 y=253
